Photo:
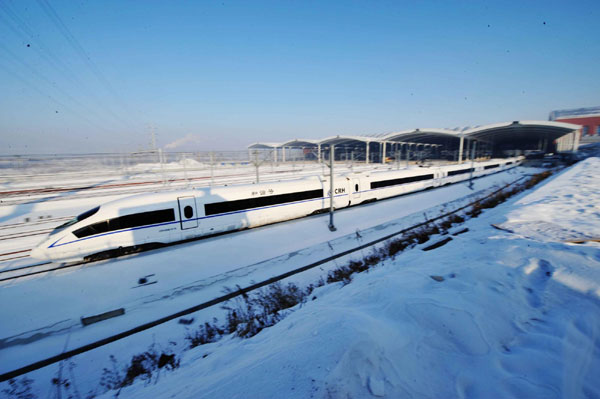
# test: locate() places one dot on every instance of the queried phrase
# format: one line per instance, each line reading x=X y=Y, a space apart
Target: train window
x=188 y=212
x=249 y=203
x=491 y=166
x=76 y=219
x=356 y=187
x=460 y=171
x=402 y=180
x=509 y=163
x=92 y=229
x=87 y=214
x=127 y=222
x=142 y=219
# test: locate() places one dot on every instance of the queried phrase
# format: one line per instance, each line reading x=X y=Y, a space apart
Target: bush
x=343 y=274
x=445 y=224
x=206 y=333
x=369 y=261
x=251 y=314
x=420 y=235
x=19 y=389
x=142 y=366
x=392 y=247
x=475 y=210
x=455 y=218
x=535 y=179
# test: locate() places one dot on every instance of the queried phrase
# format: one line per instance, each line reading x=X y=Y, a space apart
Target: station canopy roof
x=520 y=131
x=264 y=146
x=300 y=143
x=347 y=140
x=430 y=136
x=515 y=133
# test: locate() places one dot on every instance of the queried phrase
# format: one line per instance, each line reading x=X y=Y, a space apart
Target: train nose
x=39 y=252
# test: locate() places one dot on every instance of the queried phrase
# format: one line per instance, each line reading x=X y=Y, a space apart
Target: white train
x=149 y=220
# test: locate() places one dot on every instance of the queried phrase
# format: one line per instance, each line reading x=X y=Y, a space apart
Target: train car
x=386 y=184
x=148 y=220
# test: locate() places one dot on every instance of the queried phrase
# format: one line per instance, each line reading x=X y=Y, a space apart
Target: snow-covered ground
x=503 y=323
x=191 y=273
x=516 y=315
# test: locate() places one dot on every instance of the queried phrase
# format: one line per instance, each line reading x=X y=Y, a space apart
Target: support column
x=282 y=154
x=319 y=152
x=383 y=157
x=576 y=140
x=367 y=154
x=473 y=149
x=545 y=144
x=460 y=148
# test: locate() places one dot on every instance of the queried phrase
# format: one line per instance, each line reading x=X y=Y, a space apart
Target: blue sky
x=96 y=76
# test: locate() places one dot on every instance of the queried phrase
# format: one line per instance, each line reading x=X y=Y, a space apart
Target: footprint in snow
x=538 y=273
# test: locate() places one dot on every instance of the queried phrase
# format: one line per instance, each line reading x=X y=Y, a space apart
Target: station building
x=495 y=140
x=587 y=118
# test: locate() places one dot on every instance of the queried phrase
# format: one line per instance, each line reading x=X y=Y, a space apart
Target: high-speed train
x=148 y=220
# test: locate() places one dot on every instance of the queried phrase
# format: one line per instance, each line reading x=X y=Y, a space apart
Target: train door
x=187 y=212
x=438 y=176
x=355 y=188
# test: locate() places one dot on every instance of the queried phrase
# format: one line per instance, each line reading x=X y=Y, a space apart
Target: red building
x=588 y=118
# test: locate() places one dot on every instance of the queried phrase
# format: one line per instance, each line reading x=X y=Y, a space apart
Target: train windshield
x=76 y=219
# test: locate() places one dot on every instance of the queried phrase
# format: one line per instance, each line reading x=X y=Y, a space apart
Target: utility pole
x=185 y=175
x=257 y=164
x=460 y=148
x=162 y=169
x=153 y=148
x=212 y=168
x=153 y=139
x=472 y=163
x=331 y=158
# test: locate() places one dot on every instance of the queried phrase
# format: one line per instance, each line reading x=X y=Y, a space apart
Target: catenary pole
x=331 y=158
x=472 y=163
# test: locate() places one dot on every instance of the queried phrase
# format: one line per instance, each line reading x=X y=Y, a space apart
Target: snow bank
x=560 y=212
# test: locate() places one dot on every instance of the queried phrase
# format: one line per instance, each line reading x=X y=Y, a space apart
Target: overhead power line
x=62 y=105
x=26 y=33
x=24 y=65
x=51 y=13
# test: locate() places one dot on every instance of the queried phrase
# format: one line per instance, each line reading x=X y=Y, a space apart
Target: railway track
x=52 y=190
x=24 y=234
x=32 y=270
x=14 y=257
x=33 y=194
x=102 y=191
x=37 y=222
x=20 y=253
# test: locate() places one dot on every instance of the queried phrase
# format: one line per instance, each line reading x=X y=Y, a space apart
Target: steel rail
x=52 y=269
x=33 y=223
x=24 y=234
